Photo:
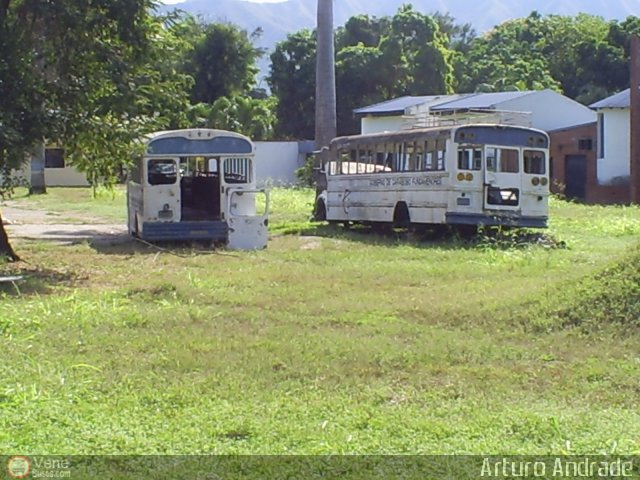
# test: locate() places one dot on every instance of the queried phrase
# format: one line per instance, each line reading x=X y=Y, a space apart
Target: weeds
x=344 y=342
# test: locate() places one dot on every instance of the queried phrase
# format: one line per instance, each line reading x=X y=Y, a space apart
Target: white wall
x=64 y=177
x=381 y=124
x=550 y=110
x=276 y=162
x=614 y=167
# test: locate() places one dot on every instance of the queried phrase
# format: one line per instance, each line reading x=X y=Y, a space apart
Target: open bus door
x=247 y=218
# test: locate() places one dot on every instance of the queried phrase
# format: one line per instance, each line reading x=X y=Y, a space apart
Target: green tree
x=376 y=59
x=78 y=72
x=416 y=55
x=362 y=29
x=509 y=57
x=292 y=81
x=254 y=117
x=360 y=75
x=222 y=63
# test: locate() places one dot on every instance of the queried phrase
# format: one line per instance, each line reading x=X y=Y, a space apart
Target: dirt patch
x=33 y=224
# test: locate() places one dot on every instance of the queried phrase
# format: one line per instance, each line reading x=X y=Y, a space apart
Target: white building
x=614 y=138
x=276 y=164
x=543 y=109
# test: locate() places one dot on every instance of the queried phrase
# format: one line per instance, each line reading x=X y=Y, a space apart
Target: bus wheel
x=321 y=211
x=135 y=232
x=401 y=218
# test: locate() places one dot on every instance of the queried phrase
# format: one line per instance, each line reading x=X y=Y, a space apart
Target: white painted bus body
x=197 y=184
x=496 y=163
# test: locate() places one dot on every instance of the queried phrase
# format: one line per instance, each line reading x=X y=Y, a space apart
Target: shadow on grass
x=133 y=246
x=437 y=237
x=447 y=237
x=35 y=280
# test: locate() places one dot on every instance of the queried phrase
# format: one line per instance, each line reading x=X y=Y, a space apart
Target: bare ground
x=35 y=224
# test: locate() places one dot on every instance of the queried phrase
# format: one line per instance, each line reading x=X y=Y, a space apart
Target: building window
x=54 y=158
x=585 y=144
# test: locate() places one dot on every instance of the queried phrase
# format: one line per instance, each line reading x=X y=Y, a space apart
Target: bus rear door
x=162 y=200
x=502 y=179
x=247 y=217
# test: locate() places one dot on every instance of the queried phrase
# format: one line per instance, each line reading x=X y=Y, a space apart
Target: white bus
x=458 y=175
x=197 y=184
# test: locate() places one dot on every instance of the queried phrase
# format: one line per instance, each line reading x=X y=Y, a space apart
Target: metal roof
x=619 y=100
x=394 y=106
x=480 y=101
x=469 y=101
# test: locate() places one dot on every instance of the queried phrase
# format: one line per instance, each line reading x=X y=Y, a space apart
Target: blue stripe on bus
x=216 y=230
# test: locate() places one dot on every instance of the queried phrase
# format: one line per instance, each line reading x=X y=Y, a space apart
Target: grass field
x=329 y=341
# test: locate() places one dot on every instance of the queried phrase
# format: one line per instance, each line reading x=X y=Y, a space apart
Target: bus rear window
x=534 y=162
x=237 y=170
x=504 y=160
x=469 y=158
x=162 y=172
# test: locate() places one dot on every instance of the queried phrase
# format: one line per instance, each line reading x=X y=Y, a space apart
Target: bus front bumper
x=210 y=230
x=505 y=219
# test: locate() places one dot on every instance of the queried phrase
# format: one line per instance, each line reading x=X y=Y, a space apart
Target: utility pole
x=325 y=76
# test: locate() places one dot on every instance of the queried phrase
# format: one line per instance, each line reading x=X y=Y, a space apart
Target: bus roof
x=198 y=141
x=419 y=133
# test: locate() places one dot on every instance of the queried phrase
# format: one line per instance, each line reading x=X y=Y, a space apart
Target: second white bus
x=460 y=175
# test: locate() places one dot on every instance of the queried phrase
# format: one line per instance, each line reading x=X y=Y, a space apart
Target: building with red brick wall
x=574 y=167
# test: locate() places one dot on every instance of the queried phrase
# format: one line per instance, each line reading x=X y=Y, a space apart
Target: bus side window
x=344 y=157
x=441 y=150
x=162 y=172
x=135 y=174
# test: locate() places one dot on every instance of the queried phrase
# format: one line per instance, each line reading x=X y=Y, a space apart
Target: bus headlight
x=469 y=177
x=544 y=181
x=460 y=177
x=535 y=181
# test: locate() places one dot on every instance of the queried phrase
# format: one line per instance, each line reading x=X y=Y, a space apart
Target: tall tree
x=76 y=72
x=417 y=57
x=510 y=57
x=325 y=129
x=223 y=62
x=292 y=82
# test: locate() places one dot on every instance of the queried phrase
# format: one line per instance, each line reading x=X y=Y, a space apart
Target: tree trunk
x=38 y=184
x=325 y=76
x=6 y=250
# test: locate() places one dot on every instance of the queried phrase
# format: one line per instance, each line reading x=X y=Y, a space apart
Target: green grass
x=108 y=205
x=332 y=341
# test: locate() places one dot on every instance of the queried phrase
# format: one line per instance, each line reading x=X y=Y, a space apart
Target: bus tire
x=135 y=231
x=401 y=217
x=321 y=211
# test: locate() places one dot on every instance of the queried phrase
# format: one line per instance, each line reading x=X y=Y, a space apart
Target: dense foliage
x=584 y=57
